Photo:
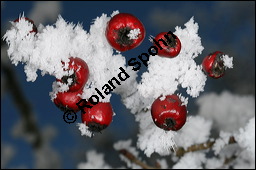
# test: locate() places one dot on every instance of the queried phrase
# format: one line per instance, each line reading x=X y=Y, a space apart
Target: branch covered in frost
x=179 y=152
x=133 y=159
x=192 y=160
x=130 y=155
x=163 y=77
x=122 y=146
x=165 y=74
x=209 y=144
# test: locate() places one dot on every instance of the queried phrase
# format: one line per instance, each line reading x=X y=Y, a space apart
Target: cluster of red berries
x=125 y=32
x=122 y=24
x=168 y=114
x=76 y=82
x=96 y=118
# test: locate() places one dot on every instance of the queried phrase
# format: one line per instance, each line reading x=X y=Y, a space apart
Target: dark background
x=223 y=26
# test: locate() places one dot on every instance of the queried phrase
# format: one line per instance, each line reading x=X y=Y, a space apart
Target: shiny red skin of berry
x=173 y=48
x=169 y=114
x=67 y=100
x=98 y=117
x=213 y=65
x=31 y=21
x=80 y=76
x=118 y=28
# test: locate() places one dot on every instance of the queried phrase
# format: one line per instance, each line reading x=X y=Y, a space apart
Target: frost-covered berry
x=78 y=79
x=29 y=20
x=98 y=117
x=168 y=44
x=67 y=100
x=125 y=32
x=169 y=114
x=213 y=65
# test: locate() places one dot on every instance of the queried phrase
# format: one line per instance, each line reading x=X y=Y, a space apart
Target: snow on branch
x=50 y=49
x=55 y=44
x=165 y=74
x=163 y=78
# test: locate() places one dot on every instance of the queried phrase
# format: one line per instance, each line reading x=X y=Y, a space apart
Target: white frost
x=246 y=137
x=213 y=163
x=163 y=77
x=191 y=161
x=222 y=141
x=55 y=44
x=166 y=74
x=84 y=130
x=228 y=61
x=195 y=131
x=126 y=144
x=114 y=13
x=94 y=160
x=133 y=34
x=153 y=139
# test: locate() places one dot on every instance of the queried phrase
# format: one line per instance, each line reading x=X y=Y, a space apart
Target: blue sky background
x=224 y=26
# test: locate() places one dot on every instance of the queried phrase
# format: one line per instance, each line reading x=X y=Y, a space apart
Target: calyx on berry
x=213 y=65
x=98 y=117
x=169 y=114
x=125 y=32
x=80 y=75
x=168 y=44
x=67 y=100
x=29 y=20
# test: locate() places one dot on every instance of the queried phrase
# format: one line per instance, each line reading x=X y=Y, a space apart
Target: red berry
x=80 y=75
x=213 y=65
x=31 y=21
x=98 y=117
x=67 y=100
x=118 y=29
x=168 y=44
x=169 y=114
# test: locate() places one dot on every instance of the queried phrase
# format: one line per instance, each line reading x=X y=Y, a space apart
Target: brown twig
x=133 y=159
x=181 y=151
